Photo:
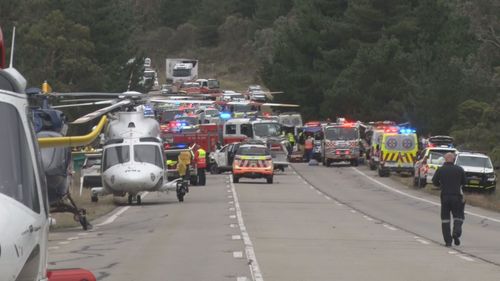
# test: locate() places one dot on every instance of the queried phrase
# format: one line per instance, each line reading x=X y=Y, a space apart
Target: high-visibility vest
x=201 y=158
x=291 y=138
x=309 y=143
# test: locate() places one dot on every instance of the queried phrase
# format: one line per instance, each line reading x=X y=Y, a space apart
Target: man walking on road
x=450 y=178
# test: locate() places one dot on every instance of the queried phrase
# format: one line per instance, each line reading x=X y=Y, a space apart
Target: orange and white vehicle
x=253 y=160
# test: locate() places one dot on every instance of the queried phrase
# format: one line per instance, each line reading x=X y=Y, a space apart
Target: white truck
x=179 y=71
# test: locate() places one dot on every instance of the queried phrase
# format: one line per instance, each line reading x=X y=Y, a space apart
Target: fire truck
x=343 y=142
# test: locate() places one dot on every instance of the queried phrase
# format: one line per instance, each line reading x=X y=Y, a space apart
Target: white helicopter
x=24 y=211
x=132 y=155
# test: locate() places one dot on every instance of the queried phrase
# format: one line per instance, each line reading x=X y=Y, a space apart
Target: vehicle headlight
x=491 y=176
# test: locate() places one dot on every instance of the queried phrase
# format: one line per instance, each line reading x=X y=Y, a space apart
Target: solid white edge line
x=249 y=250
x=120 y=211
x=114 y=216
x=465 y=258
x=389 y=227
x=419 y=198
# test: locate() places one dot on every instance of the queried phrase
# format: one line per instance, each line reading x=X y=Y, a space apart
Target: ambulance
x=398 y=151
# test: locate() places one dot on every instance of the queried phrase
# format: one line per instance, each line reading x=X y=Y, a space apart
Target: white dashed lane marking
x=389 y=227
x=236 y=237
x=237 y=255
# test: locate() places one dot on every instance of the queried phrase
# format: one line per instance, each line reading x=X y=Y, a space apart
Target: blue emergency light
x=407 y=131
x=225 y=115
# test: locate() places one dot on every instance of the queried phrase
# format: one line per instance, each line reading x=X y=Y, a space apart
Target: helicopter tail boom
x=73 y=140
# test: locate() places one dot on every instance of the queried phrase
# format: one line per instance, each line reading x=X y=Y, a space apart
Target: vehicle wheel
x=415 y=182
x=180 y=196
x=214 y=170
x=421 y=182
x=327 y=162
x=138 y=198
x=236 y=179
x=372 y=165
x=492 y=190
x=130 y=199
x=83 y=221
x=193 y=180
x=354 y=162
x=270 y=179
x=94 y=198
x=383 y=173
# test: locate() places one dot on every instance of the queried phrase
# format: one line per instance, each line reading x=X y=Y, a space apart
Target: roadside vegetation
x=94 y=210
x=478 y=199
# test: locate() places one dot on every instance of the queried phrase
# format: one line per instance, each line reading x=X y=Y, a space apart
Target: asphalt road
x=313 y=223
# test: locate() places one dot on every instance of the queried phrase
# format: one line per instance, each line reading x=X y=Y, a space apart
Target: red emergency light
x=391 y=130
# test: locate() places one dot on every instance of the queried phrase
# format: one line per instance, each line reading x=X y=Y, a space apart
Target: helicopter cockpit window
x=147 y=153
x=17 y=175
x=116 y=155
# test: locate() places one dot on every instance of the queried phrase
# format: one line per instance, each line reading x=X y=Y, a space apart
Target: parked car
x=253 y=161
x=428 y=161
x=479 y=171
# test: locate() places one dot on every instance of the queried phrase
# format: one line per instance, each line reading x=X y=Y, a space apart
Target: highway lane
x=301 y=233
x=411 y=210
x=313 y=223
x=160 y=240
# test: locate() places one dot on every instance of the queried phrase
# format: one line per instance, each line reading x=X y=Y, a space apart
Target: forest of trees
x=434 y=63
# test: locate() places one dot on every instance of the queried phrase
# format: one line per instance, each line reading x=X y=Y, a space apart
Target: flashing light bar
x=407 y=131
x=391 y=130
x=225 y=115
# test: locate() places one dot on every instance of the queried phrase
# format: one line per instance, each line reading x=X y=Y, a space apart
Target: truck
x=342 y=141
x=179 y=71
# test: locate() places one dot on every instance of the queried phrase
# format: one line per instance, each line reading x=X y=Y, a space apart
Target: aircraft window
x=116 y=155
x=147 y=153
x=231 y=129
x=17 y=175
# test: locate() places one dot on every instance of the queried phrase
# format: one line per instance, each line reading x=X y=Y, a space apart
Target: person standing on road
x=201 y=164
x=450 y=178
x=308 y=145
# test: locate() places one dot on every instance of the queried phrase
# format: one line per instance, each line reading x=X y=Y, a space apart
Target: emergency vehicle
x=172 y=152
x=479 y=171
x=398 y=151
x=253 y=160
x=267 y=131
x=221 y=160
x=429 y=160
x=374 y=136
x=342 y=142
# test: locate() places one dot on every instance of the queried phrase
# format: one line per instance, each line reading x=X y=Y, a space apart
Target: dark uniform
x=450 y=178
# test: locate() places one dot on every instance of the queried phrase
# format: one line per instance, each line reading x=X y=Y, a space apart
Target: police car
x=253 y=161
x=479 y=171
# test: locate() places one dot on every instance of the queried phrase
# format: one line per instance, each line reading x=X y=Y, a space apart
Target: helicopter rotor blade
x=84 y=104
x=102 y=111
x=81 y=100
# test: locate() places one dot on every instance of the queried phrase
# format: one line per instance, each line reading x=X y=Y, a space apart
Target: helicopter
x=24 y=206
x=132 y=152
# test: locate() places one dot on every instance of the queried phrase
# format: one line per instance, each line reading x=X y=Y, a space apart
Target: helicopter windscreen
x=148 y=153
x=116 y=155
x=17 y=177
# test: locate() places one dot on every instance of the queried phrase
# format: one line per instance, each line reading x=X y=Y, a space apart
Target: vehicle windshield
x=181 y=72
x=291 y=120
x=241 y=108
x=116 y=155
x=17 y=177
x=212 y=112
x=213 y=84
x=188 y=120
x=436 y=157
x=93 y=161
x=342 y=133
x=149 y=74
x=148 y=153
x=267 y=129
x=472 y=161
x=253 y=151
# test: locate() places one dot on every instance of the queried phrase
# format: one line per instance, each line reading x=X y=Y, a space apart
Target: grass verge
x=483 y=200
x=94 y=210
